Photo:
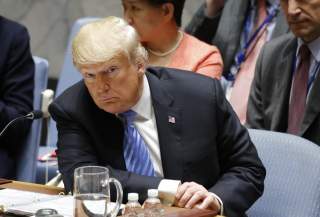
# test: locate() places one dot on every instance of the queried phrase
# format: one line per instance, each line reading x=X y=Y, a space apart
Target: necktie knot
x=304 y=52
x=128 y=116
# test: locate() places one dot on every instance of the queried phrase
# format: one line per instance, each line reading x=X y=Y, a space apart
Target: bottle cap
x=152 y=193
x=133 y=196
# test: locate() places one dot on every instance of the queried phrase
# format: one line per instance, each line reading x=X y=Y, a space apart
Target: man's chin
x=302 y=33
x=306 y=37
x=107 y=108
x=298 y=33
x=113 y=109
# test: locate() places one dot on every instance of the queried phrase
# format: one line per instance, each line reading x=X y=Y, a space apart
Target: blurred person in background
x=158 y=25
x=16 y=91
x=285 y=93
x=239 y=28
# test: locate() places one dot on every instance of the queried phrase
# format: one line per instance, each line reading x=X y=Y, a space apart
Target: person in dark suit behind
x=285 y=94
x=230 y=25
x=153 y=127
x=16 y=91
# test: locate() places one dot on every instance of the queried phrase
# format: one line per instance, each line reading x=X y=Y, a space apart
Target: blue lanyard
x=241 y=55
x=313 y=73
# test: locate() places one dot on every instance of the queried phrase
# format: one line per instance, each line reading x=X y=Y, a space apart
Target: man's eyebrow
x=112 y=64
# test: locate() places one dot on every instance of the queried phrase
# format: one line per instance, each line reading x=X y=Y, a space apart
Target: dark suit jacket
x=16 y=88
x=206 y=144
x=225 y=29
x=270 y=91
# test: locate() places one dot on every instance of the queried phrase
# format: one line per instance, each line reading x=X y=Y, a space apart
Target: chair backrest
x=292 y=184
x=69 y=75
x=27 y=159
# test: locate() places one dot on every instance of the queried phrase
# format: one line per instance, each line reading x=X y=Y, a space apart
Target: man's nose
x=293 y=8
x=102 y=84
x=127 y=16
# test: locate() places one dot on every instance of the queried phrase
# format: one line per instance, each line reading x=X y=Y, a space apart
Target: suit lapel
x=168 y=120
x=283 y=86
x=313 y=106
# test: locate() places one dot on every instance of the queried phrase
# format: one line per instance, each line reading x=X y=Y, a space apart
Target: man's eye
x=134 y=8
x=112 y=70
x=89 y=76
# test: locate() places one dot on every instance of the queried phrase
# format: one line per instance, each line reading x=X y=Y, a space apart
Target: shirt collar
x=313 y=46
x=143 y=108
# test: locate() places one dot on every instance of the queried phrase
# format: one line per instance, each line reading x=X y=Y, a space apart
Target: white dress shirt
x=145 y=123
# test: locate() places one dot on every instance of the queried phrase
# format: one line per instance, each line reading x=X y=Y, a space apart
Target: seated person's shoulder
x=198 y=46
x=183 y=81
x=167 y=73
x=10 y=27
x=279 y=42
x=76 y=93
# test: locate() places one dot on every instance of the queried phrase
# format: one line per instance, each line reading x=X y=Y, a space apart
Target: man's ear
x=168 y=11
x=141 y=66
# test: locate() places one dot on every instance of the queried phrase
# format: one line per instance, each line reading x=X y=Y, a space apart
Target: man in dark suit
x=16 y=91
x=230 y=25
x=280 y=99
x=189 y=131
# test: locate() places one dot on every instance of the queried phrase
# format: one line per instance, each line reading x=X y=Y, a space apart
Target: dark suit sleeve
x=255 y=117
x=75 y=149
x=16 y=85
x=203 y=27
x=242 y=172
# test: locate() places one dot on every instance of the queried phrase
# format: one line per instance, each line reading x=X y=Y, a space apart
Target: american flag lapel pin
x=171 y=119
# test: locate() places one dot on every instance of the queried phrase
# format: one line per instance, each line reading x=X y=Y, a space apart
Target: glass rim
x=78 y=169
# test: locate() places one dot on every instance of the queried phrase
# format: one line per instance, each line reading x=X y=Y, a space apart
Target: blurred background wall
x=49 y=22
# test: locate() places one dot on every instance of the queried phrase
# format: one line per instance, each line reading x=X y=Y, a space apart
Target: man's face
x=116 y=85
x=303 y=17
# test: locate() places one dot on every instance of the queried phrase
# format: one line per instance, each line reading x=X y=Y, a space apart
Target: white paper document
x=31 y=202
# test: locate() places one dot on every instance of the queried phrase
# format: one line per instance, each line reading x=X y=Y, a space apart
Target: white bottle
x=133 y=207
x=152 y=205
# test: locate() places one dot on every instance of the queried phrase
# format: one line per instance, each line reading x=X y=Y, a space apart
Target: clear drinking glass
x=92 y=192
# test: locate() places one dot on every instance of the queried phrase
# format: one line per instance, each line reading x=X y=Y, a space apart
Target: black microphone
x=36 y=114
x=46 y=97
x=31 y=116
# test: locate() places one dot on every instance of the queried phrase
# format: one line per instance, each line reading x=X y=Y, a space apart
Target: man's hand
x=192 y=195
x=213 y=7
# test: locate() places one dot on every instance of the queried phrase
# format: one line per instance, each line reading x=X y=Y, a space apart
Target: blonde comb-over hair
x=100 y=41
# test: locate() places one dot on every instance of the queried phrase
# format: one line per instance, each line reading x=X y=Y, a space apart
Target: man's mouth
x=107 y=99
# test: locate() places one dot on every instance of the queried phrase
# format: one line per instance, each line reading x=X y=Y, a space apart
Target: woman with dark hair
x=158 y=25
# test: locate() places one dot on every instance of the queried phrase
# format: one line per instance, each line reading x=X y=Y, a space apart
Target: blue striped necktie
x=136 y=154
